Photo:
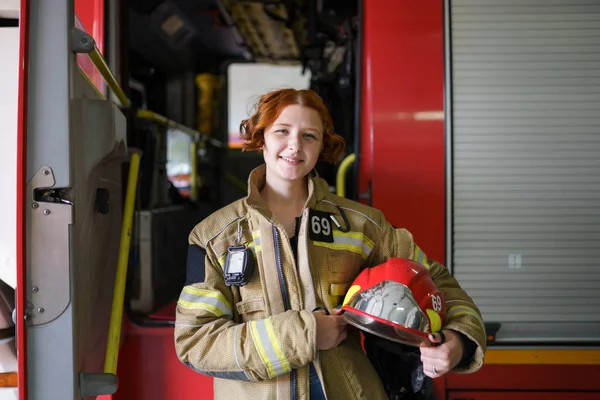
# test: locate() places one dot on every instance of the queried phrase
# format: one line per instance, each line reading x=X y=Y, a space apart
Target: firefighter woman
x=265 y=272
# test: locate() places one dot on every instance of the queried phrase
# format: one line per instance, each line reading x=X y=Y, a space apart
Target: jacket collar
x=317 y=190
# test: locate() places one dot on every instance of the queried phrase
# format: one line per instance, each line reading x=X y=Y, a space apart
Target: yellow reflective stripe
x=355 y=242
x=456 y=311
x=209 y=300
x=420 y=257
x=254 y=248
x=268 y=347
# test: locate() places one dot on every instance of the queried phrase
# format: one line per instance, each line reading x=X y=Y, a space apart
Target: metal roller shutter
x=524 y=142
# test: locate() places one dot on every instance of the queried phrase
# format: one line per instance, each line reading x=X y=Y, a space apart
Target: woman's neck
x=288 y=195
x=285 y=200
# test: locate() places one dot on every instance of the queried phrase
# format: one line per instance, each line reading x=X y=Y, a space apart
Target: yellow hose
x=341 y=174
x=116 y=314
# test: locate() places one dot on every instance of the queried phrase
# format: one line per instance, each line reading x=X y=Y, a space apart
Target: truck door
x=73 y=147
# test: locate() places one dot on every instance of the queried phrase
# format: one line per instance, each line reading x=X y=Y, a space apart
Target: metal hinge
x=83 y=42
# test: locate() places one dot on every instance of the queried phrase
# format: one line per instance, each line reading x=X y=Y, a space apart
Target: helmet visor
x=388 y=310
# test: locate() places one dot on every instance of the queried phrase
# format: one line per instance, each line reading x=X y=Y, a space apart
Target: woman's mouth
x=291 y=161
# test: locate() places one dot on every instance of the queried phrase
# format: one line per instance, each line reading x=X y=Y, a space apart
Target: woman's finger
x=433 y=353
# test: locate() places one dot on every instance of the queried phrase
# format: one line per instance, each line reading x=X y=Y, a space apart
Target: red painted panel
x=149 y=368
x=403 y=126
x=522 y=396
x=529 y=377
x=91 y=15
x=21 y=171
x=402 y=129
x=365 y=155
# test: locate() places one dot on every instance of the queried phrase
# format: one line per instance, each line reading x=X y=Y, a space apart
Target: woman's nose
x=294 y=143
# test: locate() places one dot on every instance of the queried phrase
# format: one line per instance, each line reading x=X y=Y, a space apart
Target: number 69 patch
x=320 y=226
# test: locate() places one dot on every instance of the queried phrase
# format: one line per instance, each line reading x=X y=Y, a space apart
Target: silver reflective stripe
x=256 y=243
x=182 y=325
x=256 y=238
x=236 y=375
x=268 y=347
x=355 y=242
x=209 y=300
x=357 y=239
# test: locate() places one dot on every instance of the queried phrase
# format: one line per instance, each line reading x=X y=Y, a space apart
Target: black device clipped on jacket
x=239 y=266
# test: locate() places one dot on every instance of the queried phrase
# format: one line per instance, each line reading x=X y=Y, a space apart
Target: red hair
x=269 y=107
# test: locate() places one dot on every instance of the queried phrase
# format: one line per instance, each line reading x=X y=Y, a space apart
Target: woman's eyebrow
x=304 y=128
x=312 y=129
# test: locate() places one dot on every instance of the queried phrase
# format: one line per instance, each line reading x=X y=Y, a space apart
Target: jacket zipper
x=286 y=300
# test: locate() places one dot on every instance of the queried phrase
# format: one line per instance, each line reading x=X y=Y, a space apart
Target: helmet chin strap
x=442 y=338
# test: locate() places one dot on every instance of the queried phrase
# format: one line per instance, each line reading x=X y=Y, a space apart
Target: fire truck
x=475 y=124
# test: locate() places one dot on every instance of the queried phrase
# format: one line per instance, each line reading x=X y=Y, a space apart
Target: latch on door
x=49 y=215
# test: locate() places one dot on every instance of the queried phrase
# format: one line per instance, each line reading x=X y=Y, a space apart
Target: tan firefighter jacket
x=257 y=340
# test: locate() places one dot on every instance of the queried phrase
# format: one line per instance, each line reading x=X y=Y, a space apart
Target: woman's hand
x=331 y=330
x=441 y=357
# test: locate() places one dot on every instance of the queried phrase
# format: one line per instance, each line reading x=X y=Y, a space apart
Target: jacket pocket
x=251 y=309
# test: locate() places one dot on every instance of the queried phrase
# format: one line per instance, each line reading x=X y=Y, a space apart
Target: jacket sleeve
x=462 y=314
x=208 y=340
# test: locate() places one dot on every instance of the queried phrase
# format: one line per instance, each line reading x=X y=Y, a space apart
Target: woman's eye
x=310 y=136
x=281 y=131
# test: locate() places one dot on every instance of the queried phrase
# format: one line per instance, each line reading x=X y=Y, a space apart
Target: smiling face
x=292 y=144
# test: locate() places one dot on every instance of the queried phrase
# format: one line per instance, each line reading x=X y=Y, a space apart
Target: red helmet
x=396 y=300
